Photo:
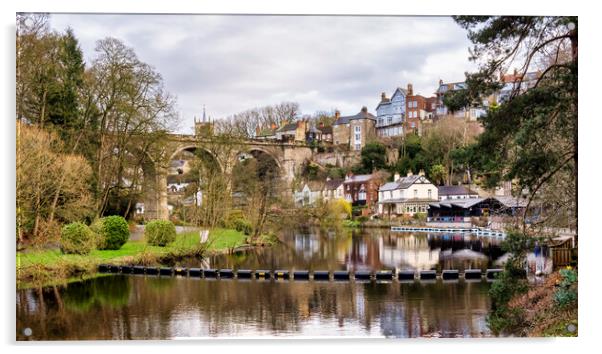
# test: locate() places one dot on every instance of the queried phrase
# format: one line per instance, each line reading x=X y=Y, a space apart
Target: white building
x=309 y=193
x=455 y=192
x=408 y=195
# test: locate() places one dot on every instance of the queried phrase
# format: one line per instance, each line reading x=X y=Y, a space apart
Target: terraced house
x=391 y=113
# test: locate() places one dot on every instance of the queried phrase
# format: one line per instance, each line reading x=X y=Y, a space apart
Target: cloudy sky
x=233 y=63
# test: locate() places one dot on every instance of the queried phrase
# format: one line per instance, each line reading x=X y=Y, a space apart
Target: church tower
x=204 y=127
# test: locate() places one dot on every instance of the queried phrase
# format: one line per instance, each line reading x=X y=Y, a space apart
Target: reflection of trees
x=168 y=307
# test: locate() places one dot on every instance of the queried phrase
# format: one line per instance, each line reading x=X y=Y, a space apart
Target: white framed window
x=358 y=137
x=358 y=146
x=358 y=129
x=415 y=193
x=430 y=194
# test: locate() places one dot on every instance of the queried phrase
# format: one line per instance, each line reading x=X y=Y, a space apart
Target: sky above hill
x=233 y=63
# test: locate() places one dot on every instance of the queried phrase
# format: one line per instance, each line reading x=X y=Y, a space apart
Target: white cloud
x=232 y=63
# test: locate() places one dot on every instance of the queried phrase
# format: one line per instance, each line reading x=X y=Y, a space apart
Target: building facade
x=419 y=111
x=361 y=190
x=406 y=196
x=391 y=113
x=469 y=113
x=354 y=131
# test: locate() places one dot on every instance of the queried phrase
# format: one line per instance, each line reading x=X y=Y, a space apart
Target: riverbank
x=51 y=267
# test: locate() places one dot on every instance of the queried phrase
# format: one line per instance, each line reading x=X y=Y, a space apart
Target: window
x=430 y=194
x=390 y=120
x=358 y=129
x=415 y=193
x=358 y=137
x=358 y=146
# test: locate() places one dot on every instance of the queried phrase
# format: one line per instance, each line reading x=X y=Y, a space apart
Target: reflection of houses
x=408 y=195
x=306 y=244
x=309 y=193
x=410 y=252
x=462 y=210
x=455 y=192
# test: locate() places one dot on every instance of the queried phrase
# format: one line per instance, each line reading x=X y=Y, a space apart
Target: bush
x=243 y=226
x=77 y=238
x=111 y=232
x=159 y=232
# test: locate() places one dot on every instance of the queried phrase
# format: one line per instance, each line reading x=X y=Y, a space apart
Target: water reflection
x=368 y=249
x=160 y=308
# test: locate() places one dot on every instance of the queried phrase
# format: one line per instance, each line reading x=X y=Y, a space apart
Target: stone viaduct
x=287 y=157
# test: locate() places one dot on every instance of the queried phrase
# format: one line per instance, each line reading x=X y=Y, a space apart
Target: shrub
x=111 y=231
x=243 y=226
x=159 y=232
x=77 y=238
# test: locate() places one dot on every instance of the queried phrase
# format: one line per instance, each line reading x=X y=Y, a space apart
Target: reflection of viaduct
x=286 y=156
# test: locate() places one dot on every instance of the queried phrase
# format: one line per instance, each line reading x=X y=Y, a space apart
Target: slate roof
x=509 y=202
x=358 y=179
x=402 y=183
x=333 y=184
x=455 y=190
x=360 y=115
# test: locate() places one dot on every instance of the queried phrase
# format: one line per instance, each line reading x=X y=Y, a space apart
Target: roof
x=287 y=127
x=402 y=183
x=512 y=202
x=314 y=130
x=455 y=190
x=313 y=186
x=509 y=202
x=389 y=186
x=333 y=183
x=403 y=200
x=358 y=179
x=363 y=114
x=460 y=203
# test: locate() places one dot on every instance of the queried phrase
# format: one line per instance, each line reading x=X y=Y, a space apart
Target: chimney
x=440 y=82
x=337 y=114
x=410 y=90
x=364 y=109
x=257 y=131
x=421 y=173
x=410 y=174
x=274 y=126
x=321 y=124
x=396 y=177
x=383 y=96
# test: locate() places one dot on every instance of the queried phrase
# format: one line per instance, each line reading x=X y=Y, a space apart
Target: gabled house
x=362 y=190
x=391 y=113
x=406 y=195
x=309 y=193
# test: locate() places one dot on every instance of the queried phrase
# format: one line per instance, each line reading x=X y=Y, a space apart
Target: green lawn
x=220 y=239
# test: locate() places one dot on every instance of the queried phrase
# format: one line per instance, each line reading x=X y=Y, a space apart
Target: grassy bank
x=50 y=266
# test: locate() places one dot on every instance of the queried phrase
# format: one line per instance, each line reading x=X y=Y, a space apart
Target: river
x=147 y=307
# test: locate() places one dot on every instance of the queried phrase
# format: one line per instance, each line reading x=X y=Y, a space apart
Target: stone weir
x=304 y=275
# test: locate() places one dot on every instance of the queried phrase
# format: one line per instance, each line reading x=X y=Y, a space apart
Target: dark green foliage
x=112 y=232
x=159 y=232
x=77 y=238
x=456 y=100
x=566 y=294
x=373 y=157
x=243 y=226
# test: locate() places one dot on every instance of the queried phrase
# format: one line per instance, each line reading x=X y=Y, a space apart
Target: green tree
x=373 y=157
x=438 y=174
x=532 y=136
